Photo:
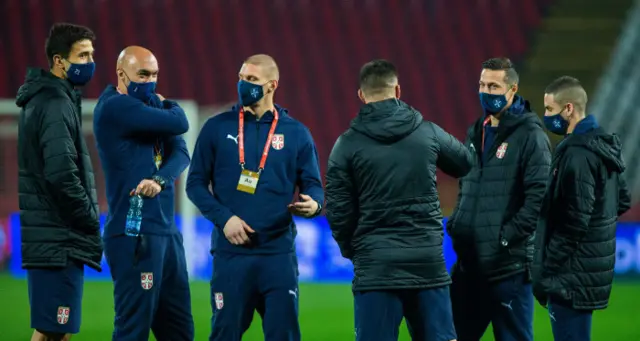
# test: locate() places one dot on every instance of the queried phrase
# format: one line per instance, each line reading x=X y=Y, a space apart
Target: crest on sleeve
x=219 y=300
x=277 y=141
x=502 y=150
x=146 y=280
x=63 y=315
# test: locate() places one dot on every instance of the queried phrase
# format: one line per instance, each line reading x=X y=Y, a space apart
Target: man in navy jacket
x=254 y=157
x=139 y=143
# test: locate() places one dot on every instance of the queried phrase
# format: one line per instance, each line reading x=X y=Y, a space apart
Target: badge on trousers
x=63 y=315
x=219 y=300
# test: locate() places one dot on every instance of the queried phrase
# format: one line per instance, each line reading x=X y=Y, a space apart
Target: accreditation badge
x=248 y=181
x=158 y=160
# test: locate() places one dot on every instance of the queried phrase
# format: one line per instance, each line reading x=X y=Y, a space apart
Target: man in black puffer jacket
x=576 y=233
x=492 y=226
x=60 y=230
x=383 y=209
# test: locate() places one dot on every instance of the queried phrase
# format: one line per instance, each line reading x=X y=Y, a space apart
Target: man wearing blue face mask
x=493 y=223
x=142 y=153
x=60 y=231
x=575 y=236
x=254 y=157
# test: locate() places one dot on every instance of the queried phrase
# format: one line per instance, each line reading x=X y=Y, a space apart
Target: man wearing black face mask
x=138 y=136
x=60 y=231
x=575 y=237
x=493 y=223
x=253 y=157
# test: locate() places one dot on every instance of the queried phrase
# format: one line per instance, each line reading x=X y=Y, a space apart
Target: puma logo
x=294 y=293
x=234 y=138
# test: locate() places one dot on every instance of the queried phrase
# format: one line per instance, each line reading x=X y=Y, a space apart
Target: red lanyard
x=267 y=145
x=484 y=124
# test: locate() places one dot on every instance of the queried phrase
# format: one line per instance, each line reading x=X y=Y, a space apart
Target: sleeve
x=537 y=162
x=177 y=160
x=454 y=158
x=450 y=220
x=624 y=197
x=342 y=201
x=132 y=116
x=201 y=176
x=578 y=193
x=308 y=172
x=60 y=169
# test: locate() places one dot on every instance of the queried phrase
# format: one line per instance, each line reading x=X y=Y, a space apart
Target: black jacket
x=382 y=203
x=576 y=233
x=499 y=201
x=57 y=194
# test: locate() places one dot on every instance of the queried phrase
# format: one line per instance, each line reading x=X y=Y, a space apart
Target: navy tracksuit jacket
x=149 y=272
x=263 y=275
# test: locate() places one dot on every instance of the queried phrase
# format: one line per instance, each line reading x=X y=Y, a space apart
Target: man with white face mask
x=493 y=224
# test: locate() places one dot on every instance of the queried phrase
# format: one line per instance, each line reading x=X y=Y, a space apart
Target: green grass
x=326 y=313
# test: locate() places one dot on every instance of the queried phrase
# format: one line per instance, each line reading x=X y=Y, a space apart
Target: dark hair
x=377 y=76
x=61 y=38
x=568 y=89
x=502 y=64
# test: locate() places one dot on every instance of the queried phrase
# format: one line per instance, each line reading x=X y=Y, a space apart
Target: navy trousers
x=242 y=284
x=378 y=314
x=55 y=298
x=569 y=324
x=150 y=288
x=506 y=304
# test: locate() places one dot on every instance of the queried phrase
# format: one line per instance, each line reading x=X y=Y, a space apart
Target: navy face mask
x=249 y=93
x=80 y=74
x=491 y=103
x=556 y=124
x=141 y=91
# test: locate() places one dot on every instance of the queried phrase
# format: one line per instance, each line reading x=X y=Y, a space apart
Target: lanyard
x=265 y=152
x=484 y=124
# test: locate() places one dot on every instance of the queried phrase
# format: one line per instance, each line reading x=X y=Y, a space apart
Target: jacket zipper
x=258 y=144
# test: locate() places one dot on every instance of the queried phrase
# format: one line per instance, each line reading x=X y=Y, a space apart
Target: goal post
x=186 y=209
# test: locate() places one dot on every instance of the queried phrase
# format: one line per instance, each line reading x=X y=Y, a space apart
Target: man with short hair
x=384 y=211
x=493 y=223
x=576 y=232
x=253 y=157
x=60 y=230
x=142 y=153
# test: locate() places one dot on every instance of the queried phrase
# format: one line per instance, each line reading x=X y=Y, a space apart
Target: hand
x=160 y=97
x=148 y=188
x=307 y=207
x=237 y=231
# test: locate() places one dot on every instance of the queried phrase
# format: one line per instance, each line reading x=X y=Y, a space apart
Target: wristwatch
x=160 y=181
x=318 y=211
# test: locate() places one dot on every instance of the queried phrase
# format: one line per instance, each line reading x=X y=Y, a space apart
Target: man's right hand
x=237 y=231
x=160 y=97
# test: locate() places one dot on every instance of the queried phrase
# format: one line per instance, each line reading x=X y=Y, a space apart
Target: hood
x=39 y=80
x=607 y=147
x=387 y=121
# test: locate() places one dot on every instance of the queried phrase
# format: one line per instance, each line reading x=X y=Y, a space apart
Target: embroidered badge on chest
x=277 y=141
x=502 y=150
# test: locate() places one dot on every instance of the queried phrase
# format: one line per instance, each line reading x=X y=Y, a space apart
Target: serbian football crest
x=63 y=315
x=146 y=280
x=219 y=300
x=277 y=142
x=502 y=150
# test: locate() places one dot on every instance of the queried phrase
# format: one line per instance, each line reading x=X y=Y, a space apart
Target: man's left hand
x=306 y=208
x=148 y=188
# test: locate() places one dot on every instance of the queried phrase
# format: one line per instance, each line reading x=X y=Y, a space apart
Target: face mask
x=556 y=124
x=80 y=74
x=141 y=91
x=492 y=104
x=249 y=93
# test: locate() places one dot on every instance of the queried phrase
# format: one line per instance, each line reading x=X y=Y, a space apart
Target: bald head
x=137 y=64
x=267 y=66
